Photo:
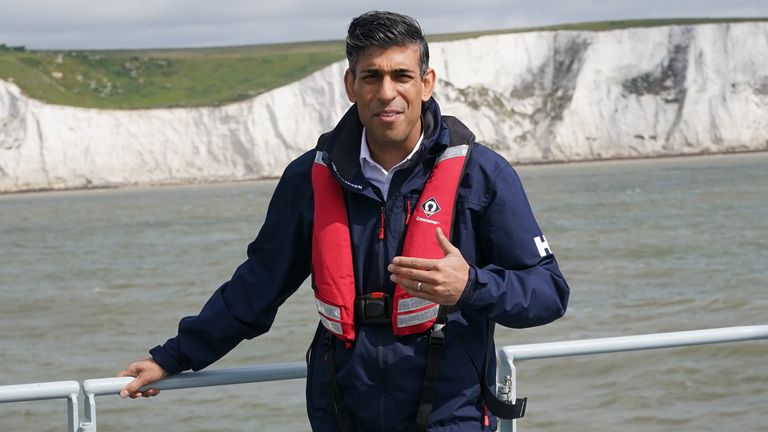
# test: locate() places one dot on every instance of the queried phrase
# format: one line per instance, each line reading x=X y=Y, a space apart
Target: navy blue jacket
x=512 y=282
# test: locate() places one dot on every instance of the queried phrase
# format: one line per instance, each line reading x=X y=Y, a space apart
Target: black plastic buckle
x=373 y=308
x=521 y=403
x=437 y=336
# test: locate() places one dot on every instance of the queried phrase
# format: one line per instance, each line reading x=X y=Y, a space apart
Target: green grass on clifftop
x=162 y=78
x=131 y=79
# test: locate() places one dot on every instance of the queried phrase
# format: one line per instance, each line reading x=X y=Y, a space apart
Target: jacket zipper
x=382 y=279
x=407 y=211
x=381 y=227
x=380 y=248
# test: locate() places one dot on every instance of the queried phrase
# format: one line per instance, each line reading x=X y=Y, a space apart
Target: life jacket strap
x=343 y=419
x=434 y=358
x=498 y=407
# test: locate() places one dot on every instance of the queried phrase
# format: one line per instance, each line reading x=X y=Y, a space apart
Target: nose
x=387 y=89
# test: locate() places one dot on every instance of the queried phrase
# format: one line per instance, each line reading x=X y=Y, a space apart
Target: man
x=368 y=214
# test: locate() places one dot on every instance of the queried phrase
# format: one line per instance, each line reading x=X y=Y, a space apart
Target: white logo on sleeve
x=542 y=246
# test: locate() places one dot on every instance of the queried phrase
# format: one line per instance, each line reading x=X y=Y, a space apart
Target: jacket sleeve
x=515 y=280
x=245 y=306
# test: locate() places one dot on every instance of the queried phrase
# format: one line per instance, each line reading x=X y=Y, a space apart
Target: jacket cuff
x=166 y=361
x=468 y=296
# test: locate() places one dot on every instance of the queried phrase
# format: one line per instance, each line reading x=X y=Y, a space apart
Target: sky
x=115 y=24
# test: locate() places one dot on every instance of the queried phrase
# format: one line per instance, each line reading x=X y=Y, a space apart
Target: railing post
x=73 y=416
x=506 y=386
x=89 y=412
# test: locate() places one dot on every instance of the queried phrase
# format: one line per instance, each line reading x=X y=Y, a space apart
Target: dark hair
x=384 y=30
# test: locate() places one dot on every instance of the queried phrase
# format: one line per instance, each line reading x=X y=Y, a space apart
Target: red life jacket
x=332 y=266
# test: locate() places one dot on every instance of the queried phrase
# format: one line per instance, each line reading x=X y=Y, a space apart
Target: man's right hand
x=146 y=372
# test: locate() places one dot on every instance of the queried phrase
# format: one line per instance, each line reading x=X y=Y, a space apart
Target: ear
x=349 y=86
x=428 y=82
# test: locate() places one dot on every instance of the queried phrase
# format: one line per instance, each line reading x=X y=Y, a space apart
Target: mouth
x=388 y=115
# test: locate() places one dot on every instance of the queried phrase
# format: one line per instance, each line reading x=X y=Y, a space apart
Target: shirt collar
x=366 y=158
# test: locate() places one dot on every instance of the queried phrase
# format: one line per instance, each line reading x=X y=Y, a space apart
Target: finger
x=423 y=294
x=415 y=263
x=132 y=388
x=444 y=243
x=426 y=291
x=151 y=393
x=129 y=388
x=409 y=273
x=411 y=278
x=400 y=280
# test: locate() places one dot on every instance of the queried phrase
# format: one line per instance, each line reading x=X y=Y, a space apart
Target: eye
x=369 y=77
x=404 y=77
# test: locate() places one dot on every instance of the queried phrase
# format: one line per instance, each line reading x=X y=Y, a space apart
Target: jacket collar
x=341 y=146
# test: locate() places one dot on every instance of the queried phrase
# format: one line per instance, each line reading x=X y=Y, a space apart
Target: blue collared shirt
x=375 y=173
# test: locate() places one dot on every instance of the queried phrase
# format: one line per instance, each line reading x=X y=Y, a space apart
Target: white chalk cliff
x=534 y=97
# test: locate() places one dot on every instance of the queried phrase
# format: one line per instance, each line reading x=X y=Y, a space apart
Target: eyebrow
x=376 y=71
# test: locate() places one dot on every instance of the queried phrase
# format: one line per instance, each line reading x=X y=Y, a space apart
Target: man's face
x=389 y=90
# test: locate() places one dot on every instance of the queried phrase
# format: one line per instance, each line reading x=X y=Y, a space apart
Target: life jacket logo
x=430 y=207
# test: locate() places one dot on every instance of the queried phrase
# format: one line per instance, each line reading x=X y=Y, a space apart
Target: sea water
x=90 y=280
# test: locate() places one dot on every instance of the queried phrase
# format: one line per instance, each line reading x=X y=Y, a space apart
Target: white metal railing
x=215 y=377
x=68 y=390
x=506 y=373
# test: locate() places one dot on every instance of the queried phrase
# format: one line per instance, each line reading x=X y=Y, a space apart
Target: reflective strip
x=411 y=303
x=319 y=158
x=330 y=311
x=406 y=320
x=333 y=326
x=452 y=152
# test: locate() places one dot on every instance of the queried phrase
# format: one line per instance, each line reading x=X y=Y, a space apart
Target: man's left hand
x=438 y=280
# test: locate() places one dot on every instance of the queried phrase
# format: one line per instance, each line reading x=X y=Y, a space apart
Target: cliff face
x=534 y=97
x=626 y=93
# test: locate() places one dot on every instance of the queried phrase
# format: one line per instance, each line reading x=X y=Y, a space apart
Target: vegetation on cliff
x=133 y=79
